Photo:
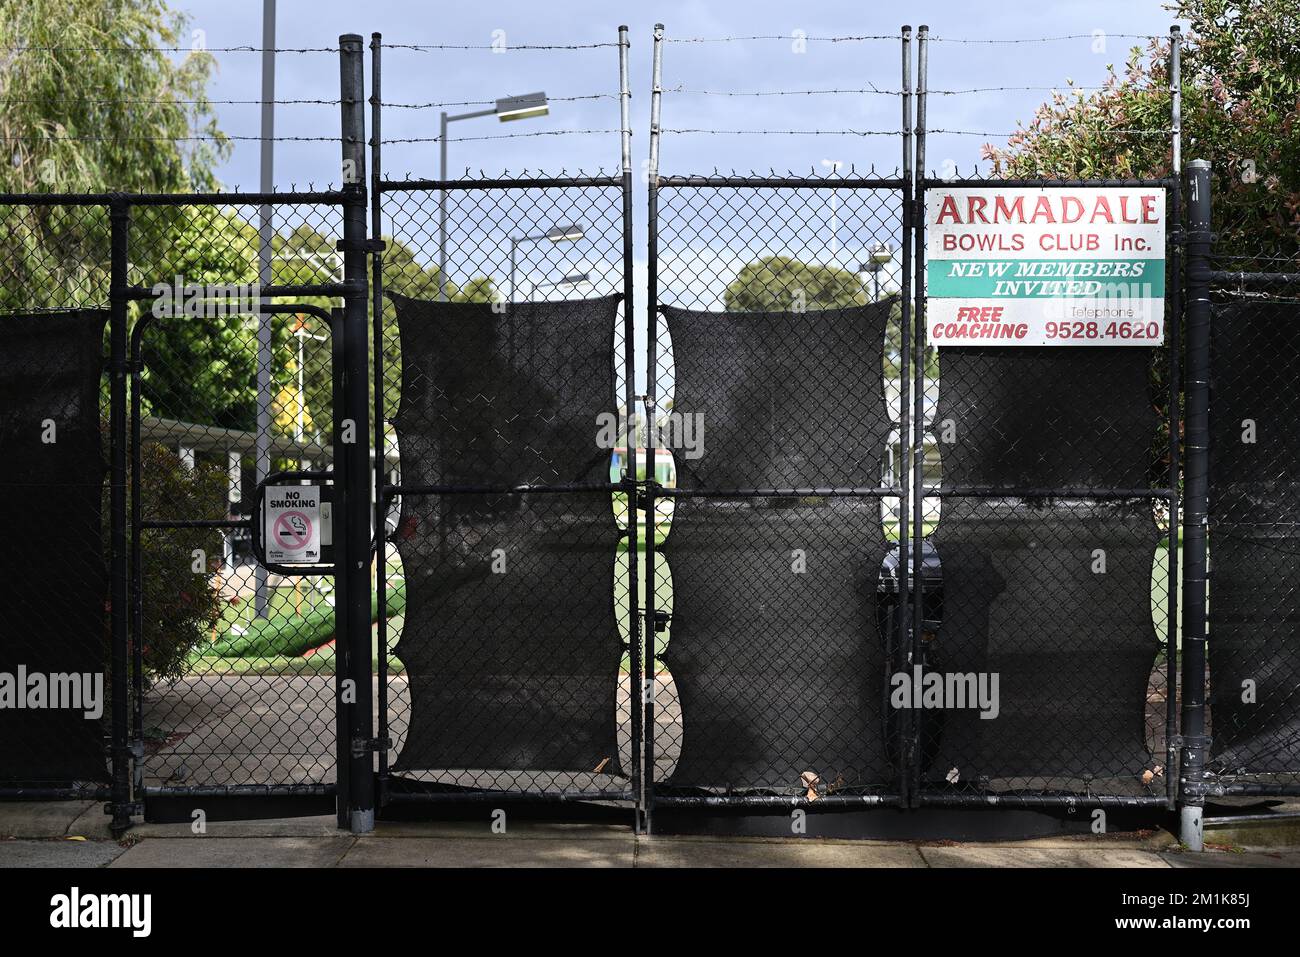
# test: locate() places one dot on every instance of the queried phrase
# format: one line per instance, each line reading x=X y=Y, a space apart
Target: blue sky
x=694 y=274
x=421 y=77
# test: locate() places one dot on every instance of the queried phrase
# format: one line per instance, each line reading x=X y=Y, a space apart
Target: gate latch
x=363 y=746
x=662 y=618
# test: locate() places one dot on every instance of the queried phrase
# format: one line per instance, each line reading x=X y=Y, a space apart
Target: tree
x=88 y=103
x=1240 y=89
x=781 y=283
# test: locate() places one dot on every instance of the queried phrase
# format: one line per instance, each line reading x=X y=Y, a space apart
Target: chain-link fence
x=778 y=378
x=1253 y=536
x=506 y=662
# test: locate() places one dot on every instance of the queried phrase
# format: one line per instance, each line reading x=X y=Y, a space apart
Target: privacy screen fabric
x=777 y=671
x=505 y=398
x=53 y=580
x=775 y=653
x=1053 y=595
x=1072 y=648
x=1254 y=535
x=784 y=399
x=1045 y=417
x=510 y=642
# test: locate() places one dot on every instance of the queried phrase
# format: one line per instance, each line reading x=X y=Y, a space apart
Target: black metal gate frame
x=387 y=492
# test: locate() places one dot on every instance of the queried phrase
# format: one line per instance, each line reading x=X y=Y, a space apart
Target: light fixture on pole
x=568 y=233
x=505 y=109
x=573 y=280
x=880 y=255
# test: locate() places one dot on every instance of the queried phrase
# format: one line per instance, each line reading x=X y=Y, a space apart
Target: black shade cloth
x=1254 y=536
x=1073 y=649
x=779 y=672
x=786 y=399
x=504 y=398
x=514 y=665
x=1048 y=417
x=53 y=579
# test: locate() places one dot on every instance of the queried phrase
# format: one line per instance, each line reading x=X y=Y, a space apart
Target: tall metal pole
x=652 y=388
x=119 y=223
x=629 y=411
x=352 y=443
x=904 y=412
x=265 y=277
x=1191 y=777
x=442 y=210
x=380 y=439
x=1173 y=324
x=918 y=373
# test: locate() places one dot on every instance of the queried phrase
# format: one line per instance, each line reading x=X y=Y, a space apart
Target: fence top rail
x=783 y=182
x=452 y=185
x=171 y=199
x=929 y=182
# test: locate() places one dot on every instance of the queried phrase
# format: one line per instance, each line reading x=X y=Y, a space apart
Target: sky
x=857 y=128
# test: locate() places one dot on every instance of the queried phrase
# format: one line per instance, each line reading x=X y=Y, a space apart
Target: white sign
x=1052 y=266
x=292 y=524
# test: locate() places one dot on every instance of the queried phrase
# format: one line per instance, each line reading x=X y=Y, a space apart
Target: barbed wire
x=681 y=89
x=167 y=102
x=844 y=132
x=56 y=48
x=1051 y=39
x=190 y=138
x=777 y=36
x=496 y=136
x=1067 y=132
x=552 y=99
x=503 y=48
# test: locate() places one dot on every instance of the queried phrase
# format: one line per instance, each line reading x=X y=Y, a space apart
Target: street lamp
x=505 y=109
x=569 y=233
x=880 y=256
x=301 y=333
x=573 y=280
x=834 y=167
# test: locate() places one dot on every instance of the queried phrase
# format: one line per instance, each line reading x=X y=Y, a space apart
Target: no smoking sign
x=293 y=524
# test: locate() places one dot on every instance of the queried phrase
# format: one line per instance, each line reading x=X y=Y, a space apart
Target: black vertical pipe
x=352 y=440
x=135 y=368
x=381 y=477
x=899 y=651
x=652 y=441
x=119 y=214
x=917 y=457
x=1173 y=323
x=1191 y=777
x=629 y=411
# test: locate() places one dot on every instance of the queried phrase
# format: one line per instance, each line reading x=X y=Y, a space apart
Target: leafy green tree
x=1240 y=88
x=88 y=103
x=778 y=283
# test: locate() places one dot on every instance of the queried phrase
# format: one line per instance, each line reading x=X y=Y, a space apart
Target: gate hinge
x=132 y=808
x=1190 y=741
x=363 y=746
x=360 y=245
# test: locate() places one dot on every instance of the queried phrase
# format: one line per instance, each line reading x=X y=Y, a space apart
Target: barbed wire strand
x=502 y=48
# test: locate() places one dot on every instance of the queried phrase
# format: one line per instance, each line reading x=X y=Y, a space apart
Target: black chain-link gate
x=681 y=572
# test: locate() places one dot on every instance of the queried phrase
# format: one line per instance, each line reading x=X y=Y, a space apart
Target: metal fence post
x=352 y=445
x=1191 y=777
x=119 y=213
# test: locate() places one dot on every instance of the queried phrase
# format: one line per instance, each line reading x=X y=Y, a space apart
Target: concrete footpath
x=75 y=834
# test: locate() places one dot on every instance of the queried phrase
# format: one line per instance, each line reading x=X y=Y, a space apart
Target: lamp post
x=573 y=280
x=880 y=256
x=834 y=167
x=506 y=109
x=570 y=233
